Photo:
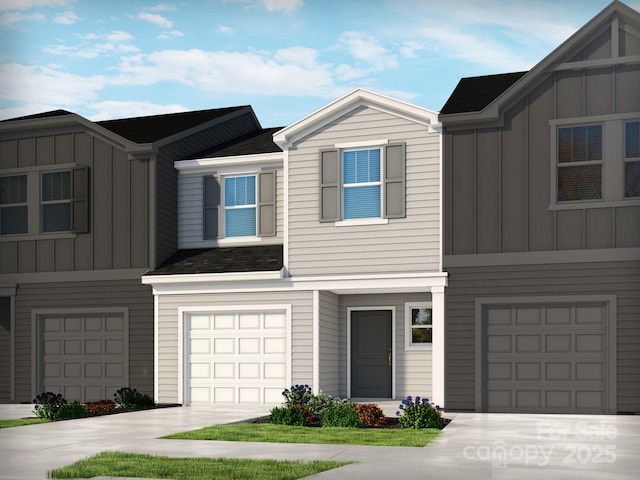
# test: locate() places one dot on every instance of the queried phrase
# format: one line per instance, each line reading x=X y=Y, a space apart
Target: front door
x=371 y=353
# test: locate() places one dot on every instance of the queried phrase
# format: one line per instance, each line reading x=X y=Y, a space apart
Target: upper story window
x=13 y=205
x=56 y=201
x=580 y=163
x=632 y=159
x=362 y=184
x=240 y=206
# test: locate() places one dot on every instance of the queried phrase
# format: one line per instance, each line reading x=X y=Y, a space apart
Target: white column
x=316 y=342
x=437 y=300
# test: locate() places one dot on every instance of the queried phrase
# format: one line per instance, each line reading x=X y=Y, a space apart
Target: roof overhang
x=359 y=97
x=206 y=164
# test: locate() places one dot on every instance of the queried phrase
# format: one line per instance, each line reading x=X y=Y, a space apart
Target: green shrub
x=319 y=403
x=341 y=413
x=297 y=395
x=418 y=414
x=48 y=404
x=370 y=415
x=130 y=398
x=73 y=410
x=294 y=415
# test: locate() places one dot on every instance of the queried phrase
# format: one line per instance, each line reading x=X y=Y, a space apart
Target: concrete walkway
x=478 y=446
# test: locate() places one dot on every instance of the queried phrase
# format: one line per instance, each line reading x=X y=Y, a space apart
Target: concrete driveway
x=478 y=446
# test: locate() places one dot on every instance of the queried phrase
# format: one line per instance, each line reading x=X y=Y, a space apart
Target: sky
x=106 y=59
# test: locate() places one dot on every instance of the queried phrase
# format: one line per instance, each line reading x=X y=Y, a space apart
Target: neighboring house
x=310 y=256
x=85 y=210
x=542 y=229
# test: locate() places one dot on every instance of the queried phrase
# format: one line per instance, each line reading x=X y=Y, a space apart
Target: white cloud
x=170 y=35
x=364 y=47
x=409 y=49
x=155 y=19
x=224 y=29
x=28 y=4
x=93 y=45
x=12 y=18
x=124 y=109
x=118 y=36
x=293 y=71
x=39 y=85
x=282 y=5
x=66 y=18
x=162 y=7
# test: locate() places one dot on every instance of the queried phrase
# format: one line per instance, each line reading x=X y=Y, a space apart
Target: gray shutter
x=330 y=186
x=267 y=204
x=394 y=181
x=211 y=203
x=80 y=200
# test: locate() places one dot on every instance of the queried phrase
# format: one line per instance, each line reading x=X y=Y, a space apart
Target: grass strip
x=121 y=464
x=265 y=432
x=19 y=422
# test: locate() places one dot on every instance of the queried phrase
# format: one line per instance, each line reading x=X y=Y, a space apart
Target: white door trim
x=393 y=344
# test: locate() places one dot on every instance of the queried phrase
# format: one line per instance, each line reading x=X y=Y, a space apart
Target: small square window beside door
x=13 y=205
x=240 y=206
x=418 y=325
x=579 y=163
x=362 y=186
x=56 y=201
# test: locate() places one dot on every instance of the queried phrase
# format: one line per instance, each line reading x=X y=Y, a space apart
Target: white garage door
x=236 y=357
x=550 y=359
x=84 y=357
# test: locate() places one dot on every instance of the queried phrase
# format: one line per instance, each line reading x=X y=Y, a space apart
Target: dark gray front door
x=371 y=354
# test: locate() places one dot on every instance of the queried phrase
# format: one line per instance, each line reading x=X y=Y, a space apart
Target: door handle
x=389 y=356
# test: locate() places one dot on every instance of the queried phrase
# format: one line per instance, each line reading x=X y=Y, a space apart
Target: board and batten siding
x=169 y=323
x=404 y=244
x=329 y=344
x=118 y=236
x=5 y=349
x=498 y=180
x=191 y=211
x=412 y=367
x=621 y=279
x=74 y=296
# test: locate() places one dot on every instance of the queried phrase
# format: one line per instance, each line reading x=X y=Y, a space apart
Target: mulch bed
x=390 y=422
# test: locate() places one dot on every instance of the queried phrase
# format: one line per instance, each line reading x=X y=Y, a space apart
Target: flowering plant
x=418 y=413
x=297 y=395
x=48 y=405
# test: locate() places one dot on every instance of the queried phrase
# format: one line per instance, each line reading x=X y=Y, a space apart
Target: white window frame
x=612 y=161
x=17 y=204
x=346 y=186
x=408 y=327
x=237 y=207
x=631 y=159
x=43 y=202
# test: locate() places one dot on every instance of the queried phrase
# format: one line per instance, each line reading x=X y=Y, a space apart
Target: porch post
x=437 y=300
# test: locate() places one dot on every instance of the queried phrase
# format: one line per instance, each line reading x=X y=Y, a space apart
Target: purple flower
x=401 y=407
x=398 y=413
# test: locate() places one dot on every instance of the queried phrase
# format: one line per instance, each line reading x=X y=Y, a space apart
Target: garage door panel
x=558 y=363
x=247 y=361
x=83 y=357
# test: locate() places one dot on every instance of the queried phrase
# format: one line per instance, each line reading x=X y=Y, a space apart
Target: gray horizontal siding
x=330 y=366
x=404 y=244
x=466 y=284
x=169 y=323
x=107 y=294
x=5 y=348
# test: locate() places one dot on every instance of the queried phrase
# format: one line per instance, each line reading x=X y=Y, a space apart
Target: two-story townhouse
x=85 y=210
x=542 y=229
x=311 y=255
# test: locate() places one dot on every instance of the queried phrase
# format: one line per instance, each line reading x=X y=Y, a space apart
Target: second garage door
x=236 y=357
x=546 y=358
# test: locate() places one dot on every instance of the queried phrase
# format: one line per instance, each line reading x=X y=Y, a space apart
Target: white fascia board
x=211 y=277
x=207 y=164
x=360 y=96
x=251 y=282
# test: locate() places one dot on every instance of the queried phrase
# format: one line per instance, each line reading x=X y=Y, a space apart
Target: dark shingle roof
x=263 y=258
x=155 y=127
x=472 y=94
x=52 y=113
x=259 y=141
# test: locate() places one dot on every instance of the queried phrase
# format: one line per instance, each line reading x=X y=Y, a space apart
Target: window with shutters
x=240 y=206
x=362 y=184
x=56 y=201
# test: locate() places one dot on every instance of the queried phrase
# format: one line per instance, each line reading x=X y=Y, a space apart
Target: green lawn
x=121 y=464
x=19 y=422
x=265 y=432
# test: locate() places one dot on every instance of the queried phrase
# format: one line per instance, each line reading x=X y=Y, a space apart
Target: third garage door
x=545 y=358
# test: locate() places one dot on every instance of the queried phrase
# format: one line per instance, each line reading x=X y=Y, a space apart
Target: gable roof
x=347 y=103
x=259 y=258
x=156 y=127
x=472 y=94
x=253 y=143
x=52 y=113
x=615 y=14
